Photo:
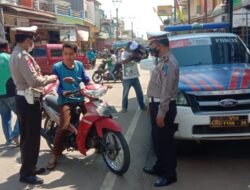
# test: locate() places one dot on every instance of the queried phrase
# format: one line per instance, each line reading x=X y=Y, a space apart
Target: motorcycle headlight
x=181 y=99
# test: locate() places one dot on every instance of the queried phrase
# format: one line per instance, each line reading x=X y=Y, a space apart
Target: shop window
x=198 y=9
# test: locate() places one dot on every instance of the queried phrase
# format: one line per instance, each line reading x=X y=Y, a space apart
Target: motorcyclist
x=69 y=67
x=91 y=56
x=112 y=66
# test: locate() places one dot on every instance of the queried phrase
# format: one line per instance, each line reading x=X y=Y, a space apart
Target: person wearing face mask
x=28 y=78
x=162 y=94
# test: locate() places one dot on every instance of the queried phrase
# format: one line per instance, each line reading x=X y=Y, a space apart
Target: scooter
x=103 y=74
x=96 y=128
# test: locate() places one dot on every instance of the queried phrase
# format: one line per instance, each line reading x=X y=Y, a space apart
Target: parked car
x=48 y=54
x=214 y=89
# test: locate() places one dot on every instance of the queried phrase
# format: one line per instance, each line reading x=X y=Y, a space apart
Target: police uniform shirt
x=164 y=81
x=25 y=71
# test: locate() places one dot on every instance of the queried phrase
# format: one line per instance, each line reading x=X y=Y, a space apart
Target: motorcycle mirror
x=69 y=80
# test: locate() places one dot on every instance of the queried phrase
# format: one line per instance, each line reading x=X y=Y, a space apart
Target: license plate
x=229 y=121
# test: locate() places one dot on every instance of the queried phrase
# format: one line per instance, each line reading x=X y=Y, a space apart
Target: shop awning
x=83 y=35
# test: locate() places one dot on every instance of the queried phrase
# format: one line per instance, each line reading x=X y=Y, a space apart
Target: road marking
x=110 y=178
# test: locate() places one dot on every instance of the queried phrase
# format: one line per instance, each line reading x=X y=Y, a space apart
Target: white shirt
x=130 y=69
x=113 y=59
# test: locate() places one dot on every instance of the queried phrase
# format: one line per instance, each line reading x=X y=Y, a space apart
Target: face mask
x=31 y=47
x=154 y=52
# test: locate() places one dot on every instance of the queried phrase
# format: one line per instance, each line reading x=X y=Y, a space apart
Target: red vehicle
x=46 y=55
x=96 y=128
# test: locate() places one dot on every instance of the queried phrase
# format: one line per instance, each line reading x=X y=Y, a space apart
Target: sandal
x=52 y=165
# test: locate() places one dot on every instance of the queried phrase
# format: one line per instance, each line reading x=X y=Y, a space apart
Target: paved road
x=206 y=166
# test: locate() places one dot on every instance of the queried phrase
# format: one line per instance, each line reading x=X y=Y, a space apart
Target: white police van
x=214 y=87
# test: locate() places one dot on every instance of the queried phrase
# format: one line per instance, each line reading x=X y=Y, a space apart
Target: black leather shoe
x=164 y=181
x=39 y=171
x=151 y=170
x=32 y=179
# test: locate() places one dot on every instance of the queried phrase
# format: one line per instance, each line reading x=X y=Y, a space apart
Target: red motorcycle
x=96 y=128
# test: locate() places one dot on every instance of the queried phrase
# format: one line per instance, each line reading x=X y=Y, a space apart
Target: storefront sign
x=68 y=35
x=83 y=35
x=46 y=6
x=165 y=10
x=9 y=20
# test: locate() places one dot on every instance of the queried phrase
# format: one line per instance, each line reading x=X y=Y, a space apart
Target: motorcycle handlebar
x=83 y=92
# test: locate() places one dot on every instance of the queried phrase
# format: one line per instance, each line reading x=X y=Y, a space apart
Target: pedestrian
x=112 y=66
x=69 y=67
x=130 y=76
x=162 y=94
x=7 y=95
x=29 y=81
x=91 y=56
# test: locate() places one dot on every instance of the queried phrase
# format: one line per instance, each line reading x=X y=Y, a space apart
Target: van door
x=55 y=56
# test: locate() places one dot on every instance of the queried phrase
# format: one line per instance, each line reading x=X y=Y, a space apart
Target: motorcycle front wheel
x=97 y=77
x=49 y=132
x=116 y=152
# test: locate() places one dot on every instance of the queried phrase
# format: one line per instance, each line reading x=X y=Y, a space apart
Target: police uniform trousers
x=163 y=140
x=29 y=117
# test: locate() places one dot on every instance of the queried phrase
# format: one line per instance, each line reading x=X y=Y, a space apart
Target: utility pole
x=132 y=30
x=175 y=11
x=117 y=5
x=2 y=31
x=205 y=6
x=189 y=14
x=229 y=5
x=131 y=18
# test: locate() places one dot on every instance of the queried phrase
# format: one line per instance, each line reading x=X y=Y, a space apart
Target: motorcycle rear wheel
x=97 y=77
x=116 y=152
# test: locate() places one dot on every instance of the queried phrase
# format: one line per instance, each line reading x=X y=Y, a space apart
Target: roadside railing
x=61 y=10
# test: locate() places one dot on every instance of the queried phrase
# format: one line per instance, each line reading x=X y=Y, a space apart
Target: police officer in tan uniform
x=162 y=93
x=27 y=77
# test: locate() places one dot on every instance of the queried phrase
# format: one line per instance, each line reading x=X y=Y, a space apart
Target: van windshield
x=208 y=51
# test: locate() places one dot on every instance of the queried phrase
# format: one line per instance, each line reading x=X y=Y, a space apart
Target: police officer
x=26 y=75
x=162 y=93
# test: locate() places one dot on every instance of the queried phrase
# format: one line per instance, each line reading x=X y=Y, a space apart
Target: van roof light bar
x=197 y=26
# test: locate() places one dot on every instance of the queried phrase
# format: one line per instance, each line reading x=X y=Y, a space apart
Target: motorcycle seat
x=51 y=101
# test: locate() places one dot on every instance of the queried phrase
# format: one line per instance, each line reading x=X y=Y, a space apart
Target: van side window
x=229 y=50
x=56 y=52
x=39 y=52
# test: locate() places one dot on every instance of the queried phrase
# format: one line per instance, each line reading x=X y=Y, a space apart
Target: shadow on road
x=65 y=175
x=9 y=150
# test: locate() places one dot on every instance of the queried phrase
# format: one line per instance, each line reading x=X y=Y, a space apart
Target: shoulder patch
x=30 y=64
x=165 y=69
x=19 y=55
